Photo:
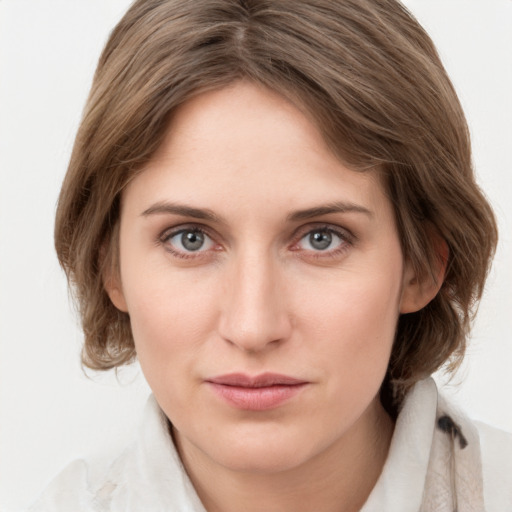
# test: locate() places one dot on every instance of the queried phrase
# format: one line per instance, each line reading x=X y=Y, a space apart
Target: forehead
x=245 y=145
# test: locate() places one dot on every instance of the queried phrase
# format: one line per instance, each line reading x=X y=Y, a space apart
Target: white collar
x=150 y=476
x=401 y=483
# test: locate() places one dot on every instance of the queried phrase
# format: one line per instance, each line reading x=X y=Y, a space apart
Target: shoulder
x=91 y=485
x=68 y=491
x=147 y=475
x=494 y=458
x=496 y=450
x=88 y=485
x=447 y=456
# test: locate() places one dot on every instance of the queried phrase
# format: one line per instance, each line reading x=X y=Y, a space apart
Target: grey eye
x=191 y=240
x=320 y=240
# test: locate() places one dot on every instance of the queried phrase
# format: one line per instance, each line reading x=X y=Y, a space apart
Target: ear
x=417 y=292
x=112 y=285
x=112 y=279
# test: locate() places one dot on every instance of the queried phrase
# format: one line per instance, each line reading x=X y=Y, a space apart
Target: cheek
x=352 y=347
x=353 y=322
x=169 y=323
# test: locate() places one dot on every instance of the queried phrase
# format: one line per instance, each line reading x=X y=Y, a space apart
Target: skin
x=258 y=297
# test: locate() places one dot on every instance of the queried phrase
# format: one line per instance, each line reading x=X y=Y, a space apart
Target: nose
x=254 y=315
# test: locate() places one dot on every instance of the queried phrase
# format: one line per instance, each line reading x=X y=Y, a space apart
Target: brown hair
x=371 y=79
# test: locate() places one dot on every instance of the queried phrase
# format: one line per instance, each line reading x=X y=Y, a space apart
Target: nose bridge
x=254 y=313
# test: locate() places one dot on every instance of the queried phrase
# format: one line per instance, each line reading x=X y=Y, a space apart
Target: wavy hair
x=371 y=79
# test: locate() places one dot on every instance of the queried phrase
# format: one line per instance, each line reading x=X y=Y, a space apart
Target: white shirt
x=417 y=476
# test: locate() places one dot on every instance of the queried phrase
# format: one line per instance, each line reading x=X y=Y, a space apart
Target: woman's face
x=263 y=280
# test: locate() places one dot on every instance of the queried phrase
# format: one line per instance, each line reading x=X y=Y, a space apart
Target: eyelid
x=170 y=231
x=342 y=232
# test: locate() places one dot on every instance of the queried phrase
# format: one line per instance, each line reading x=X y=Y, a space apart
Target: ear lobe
x=112 y=280
x=417 y=292
x=114 y=290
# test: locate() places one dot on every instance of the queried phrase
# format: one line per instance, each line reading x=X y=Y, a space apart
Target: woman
x=271 y=205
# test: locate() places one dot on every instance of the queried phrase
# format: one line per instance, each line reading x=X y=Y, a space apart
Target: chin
x=261 y=449
x=258 y=460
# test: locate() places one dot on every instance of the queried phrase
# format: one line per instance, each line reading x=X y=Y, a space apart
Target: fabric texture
x=439 y=461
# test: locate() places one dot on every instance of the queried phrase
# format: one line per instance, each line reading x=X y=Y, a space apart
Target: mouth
x=256 y=393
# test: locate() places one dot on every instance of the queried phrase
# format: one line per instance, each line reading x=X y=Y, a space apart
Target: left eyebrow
x=181 y=209
x=336 y=207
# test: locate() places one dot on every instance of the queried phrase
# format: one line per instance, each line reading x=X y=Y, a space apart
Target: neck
x=338 y=479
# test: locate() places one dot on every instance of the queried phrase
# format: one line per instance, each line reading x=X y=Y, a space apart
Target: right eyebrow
x=164 y=207
x=335 y=207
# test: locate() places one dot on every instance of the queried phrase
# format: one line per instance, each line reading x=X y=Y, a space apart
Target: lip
x=256 y=393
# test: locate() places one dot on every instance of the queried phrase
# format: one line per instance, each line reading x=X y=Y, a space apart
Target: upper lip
x=256 y=381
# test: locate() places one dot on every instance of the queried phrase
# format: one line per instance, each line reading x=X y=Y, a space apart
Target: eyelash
x=347 y=239
x=168 y=234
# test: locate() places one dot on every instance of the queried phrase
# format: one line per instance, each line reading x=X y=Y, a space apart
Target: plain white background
x=50 y=411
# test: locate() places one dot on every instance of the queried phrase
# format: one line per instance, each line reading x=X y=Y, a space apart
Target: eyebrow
x=336 y=207
x=164 y=207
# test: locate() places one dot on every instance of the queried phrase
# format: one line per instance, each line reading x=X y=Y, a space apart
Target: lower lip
x=256 y=399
